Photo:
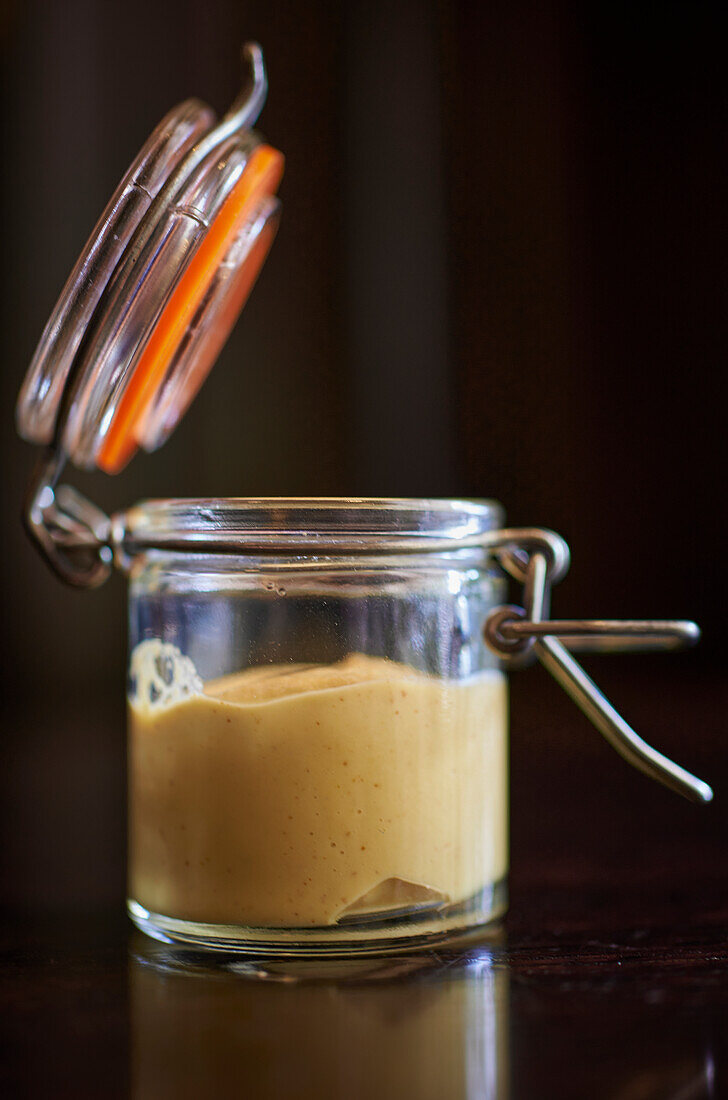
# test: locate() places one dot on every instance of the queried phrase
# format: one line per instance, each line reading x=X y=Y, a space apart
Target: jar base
x=393 y=934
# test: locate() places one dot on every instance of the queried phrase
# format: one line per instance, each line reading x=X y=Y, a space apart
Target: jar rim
x=310 y=525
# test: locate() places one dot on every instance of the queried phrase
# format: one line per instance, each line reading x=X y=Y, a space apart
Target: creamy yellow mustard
x=295 y=795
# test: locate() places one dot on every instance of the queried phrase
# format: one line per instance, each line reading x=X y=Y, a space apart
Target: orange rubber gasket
x=244 y=281
x=261 y=177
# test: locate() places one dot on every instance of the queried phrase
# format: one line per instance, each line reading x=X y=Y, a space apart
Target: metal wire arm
x=517 y=633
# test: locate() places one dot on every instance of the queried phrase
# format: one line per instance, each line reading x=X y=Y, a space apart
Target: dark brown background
x=501 y=271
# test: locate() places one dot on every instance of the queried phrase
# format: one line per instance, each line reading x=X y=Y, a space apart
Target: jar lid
x=158 y=286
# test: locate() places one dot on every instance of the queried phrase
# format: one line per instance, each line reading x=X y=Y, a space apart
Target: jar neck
x=312 y=527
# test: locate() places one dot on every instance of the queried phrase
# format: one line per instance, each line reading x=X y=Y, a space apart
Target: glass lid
x=158 y=286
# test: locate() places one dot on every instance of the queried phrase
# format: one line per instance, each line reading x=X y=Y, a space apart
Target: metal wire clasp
x=518 y=633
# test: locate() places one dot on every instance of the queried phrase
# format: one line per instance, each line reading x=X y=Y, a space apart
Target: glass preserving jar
x=317 y=728
x=317 y=695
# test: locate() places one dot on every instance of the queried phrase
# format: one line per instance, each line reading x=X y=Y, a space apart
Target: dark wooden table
x=609 y=978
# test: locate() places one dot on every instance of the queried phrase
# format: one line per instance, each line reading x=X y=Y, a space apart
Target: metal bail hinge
x=517 y=633
x=73 y=535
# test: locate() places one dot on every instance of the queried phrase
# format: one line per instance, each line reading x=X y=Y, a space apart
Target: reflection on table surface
x=423 y=1027
x=636 y=1015
x=480 y=1025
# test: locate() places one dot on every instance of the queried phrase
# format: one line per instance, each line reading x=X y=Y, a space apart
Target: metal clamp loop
x=605 y=635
